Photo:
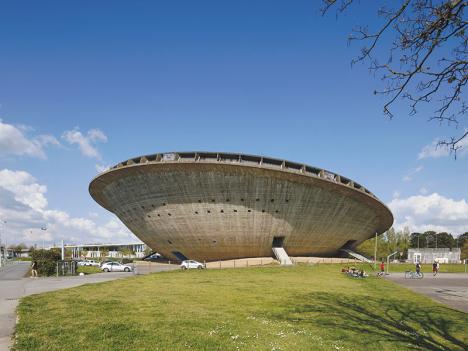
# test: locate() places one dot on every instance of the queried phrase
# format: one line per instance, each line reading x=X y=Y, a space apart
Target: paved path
x=13 y=286
x=450 y=289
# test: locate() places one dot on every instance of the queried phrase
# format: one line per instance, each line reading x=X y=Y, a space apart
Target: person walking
x=34 y=269
x=418 y=268
x=434 y=268
x=382 y=268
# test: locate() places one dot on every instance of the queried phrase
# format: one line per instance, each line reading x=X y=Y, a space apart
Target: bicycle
x=414 y=275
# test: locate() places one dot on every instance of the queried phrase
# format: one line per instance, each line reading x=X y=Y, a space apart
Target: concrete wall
x=215 y=211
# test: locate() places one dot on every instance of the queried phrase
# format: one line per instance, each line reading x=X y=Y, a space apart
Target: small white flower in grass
x=234 y=337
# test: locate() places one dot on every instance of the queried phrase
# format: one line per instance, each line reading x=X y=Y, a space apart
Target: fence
x=64 y=268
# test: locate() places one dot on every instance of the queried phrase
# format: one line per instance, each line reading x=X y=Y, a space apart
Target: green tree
x=46 y=261
x=462 y=239
x=126 y=252
x=445 y=240
x=464 y=251
x=417 y=240
x=68 y=253
x=148 y=250
x=387 y=244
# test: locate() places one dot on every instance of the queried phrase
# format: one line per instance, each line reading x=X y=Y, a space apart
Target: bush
x=46 y=261
x=126 y=260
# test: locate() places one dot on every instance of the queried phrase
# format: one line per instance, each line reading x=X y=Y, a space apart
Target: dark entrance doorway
x=278 y=241
x=180 y=255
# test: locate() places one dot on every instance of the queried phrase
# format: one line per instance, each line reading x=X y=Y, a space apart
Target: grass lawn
x=275 y=308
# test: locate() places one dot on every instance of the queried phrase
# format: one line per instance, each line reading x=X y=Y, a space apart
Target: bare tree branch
x=427 y=61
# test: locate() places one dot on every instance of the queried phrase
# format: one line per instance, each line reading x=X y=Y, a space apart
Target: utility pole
x=3 y=248
x=44 y=229
x=375 y=251
x=63 y=252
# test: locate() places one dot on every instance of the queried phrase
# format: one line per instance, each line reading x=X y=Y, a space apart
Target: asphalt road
x=450 y=289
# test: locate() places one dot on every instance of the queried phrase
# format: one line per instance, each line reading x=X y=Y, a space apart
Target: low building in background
x=24 y=253
x=132 y=250
x=429 y=255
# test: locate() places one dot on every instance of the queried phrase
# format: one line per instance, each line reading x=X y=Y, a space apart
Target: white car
x=115 y=267
x=191 y=264
x=88 y=263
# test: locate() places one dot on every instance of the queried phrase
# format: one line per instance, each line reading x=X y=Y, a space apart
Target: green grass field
x=275 y=308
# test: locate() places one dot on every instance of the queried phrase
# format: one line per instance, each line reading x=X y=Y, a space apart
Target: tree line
x=401 y=240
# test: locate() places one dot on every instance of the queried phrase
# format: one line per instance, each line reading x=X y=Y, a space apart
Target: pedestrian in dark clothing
x=34 y=269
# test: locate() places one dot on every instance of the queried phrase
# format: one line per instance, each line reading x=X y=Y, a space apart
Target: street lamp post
x=3 y=251
x=44 y=228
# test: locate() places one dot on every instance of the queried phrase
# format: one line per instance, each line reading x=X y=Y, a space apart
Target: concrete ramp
x=356 y=255
x=282 y=256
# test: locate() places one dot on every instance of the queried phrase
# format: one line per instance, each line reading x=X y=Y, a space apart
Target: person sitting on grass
x=362 y=274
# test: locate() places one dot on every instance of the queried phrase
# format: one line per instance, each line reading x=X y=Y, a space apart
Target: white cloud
x=102 y=168
x=86 y=142
x=435 y=150
x=423 y=191
x=13 y=141
x=396 y=194
x=24 y=188
x=430 y=212
x=412 y=173
x=23 y=204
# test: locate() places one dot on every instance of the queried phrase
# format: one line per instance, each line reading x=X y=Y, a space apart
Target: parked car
x=191 y=264
x=88 y=263
x=115 y=267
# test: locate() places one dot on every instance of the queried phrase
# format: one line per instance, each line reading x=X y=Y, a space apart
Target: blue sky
x=111 y=80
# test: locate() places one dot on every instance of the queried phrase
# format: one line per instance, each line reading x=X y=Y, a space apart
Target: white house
x=429 y=255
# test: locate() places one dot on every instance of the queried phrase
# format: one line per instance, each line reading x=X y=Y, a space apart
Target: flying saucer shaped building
x=219 y=206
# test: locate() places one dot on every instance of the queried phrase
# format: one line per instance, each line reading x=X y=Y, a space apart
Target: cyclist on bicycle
x=418 y=268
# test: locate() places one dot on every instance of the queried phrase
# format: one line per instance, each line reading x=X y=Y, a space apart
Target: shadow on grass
x=370 y=321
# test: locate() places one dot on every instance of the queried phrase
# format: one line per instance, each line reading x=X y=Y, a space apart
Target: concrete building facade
x=215 y=206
